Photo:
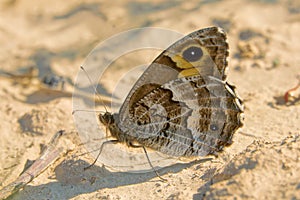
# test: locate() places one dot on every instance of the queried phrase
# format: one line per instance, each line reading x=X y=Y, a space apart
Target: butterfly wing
x=181 y=105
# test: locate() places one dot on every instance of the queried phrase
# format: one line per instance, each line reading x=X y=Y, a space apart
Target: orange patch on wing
x=188 y=72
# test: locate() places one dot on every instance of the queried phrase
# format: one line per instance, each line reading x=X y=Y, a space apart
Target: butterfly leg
x=100 y=150
x=148 y=159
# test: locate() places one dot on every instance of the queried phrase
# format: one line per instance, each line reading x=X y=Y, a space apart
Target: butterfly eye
x=192 y=54
x=213 y=127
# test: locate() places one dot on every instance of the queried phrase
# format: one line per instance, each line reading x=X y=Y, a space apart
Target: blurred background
x=43 y=43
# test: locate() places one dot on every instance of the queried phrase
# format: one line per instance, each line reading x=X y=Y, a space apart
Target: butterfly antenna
x=95 y=89
x=82 y=110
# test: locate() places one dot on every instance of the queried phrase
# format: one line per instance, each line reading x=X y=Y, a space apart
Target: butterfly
x=181 y=105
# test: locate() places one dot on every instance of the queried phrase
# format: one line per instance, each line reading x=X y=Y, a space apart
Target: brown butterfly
x=182 y=105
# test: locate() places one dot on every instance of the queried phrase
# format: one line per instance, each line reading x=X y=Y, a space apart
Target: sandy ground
x=55 y=37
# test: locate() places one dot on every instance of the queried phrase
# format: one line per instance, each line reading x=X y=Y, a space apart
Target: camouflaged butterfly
x=182 y=104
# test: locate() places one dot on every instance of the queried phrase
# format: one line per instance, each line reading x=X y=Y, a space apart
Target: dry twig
x=48 y=156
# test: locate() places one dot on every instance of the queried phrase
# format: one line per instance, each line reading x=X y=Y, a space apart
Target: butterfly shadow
x=72 y=180
x=226 y=173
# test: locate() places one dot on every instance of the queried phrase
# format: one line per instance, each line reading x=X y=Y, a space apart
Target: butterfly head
x=106 y=118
